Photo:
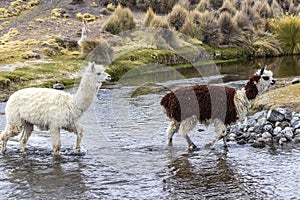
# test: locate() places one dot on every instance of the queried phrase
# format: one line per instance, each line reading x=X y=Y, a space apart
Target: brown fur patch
x=196 y=100
x=250 y=87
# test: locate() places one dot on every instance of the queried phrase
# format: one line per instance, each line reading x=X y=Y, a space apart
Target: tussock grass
x=121 y=20
x=287 y=31
x=177 y=17
x=150 y=15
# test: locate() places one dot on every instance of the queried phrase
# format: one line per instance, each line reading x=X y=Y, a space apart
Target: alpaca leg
x=8 y=132
x=172 y=129
x=79 y=132
x=185 y=127
x=27 y=130
x=55 y=136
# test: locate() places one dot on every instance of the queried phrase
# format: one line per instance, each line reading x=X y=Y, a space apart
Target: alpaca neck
x=86 y=92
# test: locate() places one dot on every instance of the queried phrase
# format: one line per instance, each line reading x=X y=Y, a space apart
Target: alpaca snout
x=108 y=78
x=273 y=81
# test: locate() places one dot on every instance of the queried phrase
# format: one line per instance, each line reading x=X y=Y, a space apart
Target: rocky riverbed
x=281 y=126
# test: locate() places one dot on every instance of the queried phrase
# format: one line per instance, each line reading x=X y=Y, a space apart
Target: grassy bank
x=288 y=96
x=42 y=74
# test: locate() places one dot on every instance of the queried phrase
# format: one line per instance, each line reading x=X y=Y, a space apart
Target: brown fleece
x=196 y=100
x=250 y=87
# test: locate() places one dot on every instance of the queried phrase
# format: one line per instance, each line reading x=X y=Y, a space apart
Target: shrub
x=216 y=4
x=121 y=20
x=203 y=5
x=59 y=12
x=209 y=26
x=150 y=15
x=190 y=29
x=263 y=9
x=276 y=10
x=264 y=44
x=159 y=22
x=229 y=29
x=161 y=36
x=97 y=50
x=228 y=7
x=243 y=22
x=177 y=17
x=287 y=31
x=86 y=17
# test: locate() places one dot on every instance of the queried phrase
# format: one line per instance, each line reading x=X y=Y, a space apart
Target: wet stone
x=297 y=139
x=288 y=132
x=259 y=115
x=295 y=119
x=275 y=116
x=296 y=124
x=258 y=144
x=277 y=130
x=279 y=126
x=266 y=135
x=242 y=141
x=283 y=124
x=250 y=129
x=286 y=112
x=297 y=132
x=282 y=141
x=268 y=127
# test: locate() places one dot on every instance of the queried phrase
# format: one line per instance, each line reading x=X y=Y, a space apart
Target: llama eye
x=99 y=73
x=266 y=78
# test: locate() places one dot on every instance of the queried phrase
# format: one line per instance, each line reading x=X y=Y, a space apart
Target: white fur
x=51 y=109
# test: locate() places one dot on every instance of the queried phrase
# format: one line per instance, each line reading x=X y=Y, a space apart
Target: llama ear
x=262 y=70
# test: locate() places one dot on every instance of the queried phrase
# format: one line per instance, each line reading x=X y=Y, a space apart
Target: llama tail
x=165 y=104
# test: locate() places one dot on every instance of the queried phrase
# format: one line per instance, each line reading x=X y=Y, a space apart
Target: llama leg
x=55 y=136
x=8 y=132
x=172 y=129
x=185 y=127
x=221 y=130
x=27 y=130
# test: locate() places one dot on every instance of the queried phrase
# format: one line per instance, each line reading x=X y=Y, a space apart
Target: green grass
x=134 y=59
x=40 y=75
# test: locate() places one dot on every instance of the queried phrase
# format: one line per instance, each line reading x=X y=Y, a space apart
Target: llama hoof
x=209 y=146
x=21 y=150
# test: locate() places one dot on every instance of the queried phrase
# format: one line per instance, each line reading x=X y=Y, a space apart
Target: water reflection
x=206 y=175
x=37 y=174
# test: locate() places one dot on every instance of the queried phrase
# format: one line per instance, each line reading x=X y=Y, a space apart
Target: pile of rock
x=270 y=126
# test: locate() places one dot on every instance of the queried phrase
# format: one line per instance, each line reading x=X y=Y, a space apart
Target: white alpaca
x=51 y=109
x=83 y=33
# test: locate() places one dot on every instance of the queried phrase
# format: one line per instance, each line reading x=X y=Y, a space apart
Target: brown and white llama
x=219 y=105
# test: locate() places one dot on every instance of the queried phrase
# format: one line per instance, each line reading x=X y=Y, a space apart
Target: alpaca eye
x=266 y=78
x=99 y=73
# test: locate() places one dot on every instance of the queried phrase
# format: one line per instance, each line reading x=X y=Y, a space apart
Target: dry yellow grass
x=288 y=96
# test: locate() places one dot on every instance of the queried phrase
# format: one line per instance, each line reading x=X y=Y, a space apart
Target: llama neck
x=250 y=88
x=86 y=92
x=242 y=103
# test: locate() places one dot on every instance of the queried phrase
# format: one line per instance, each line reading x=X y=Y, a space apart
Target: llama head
x=259 y=83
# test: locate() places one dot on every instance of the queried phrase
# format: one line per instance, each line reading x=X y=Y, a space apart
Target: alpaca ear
x=92 y=66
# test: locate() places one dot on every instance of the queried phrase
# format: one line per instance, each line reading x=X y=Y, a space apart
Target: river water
x=125 y=155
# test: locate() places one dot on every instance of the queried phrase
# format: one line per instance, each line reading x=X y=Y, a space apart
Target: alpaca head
x=99 y=71
x=259 y=83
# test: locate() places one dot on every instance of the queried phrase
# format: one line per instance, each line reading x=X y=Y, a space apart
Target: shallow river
x=125 y=155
